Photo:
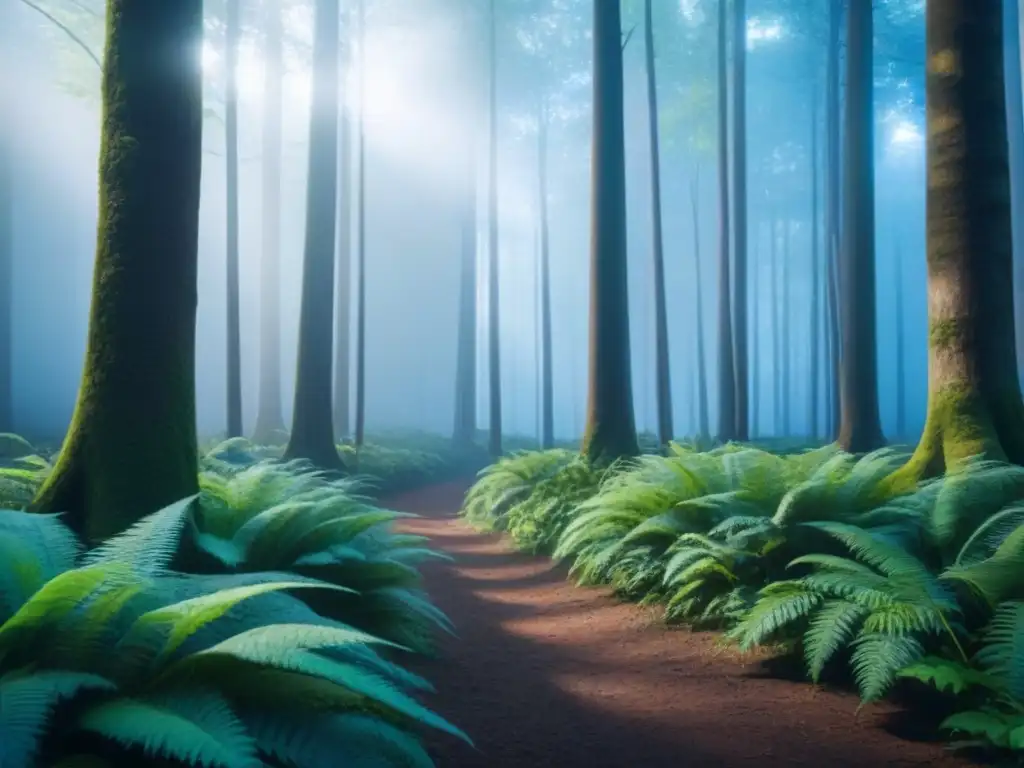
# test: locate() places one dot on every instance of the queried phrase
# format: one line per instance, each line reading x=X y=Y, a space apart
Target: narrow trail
x=547 y=674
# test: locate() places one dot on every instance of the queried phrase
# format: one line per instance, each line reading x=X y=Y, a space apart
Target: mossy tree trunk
x=726 y=361
x=343 y=266
x=493 y=261
x=131 y=445
x=739 y=169
x=974 y=401
x=860 y=429
x=232 y=33
x=703 y=421
x=547 y=384
x=662 y=366
x=312 y=435
x=6 y=279
x=610 y=431
x=269 y=418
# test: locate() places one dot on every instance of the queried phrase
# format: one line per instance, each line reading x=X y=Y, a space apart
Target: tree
x=974 y=401
x=232 y=33
x=815 y=306
x=859 y=429
x=131 y=445
x=312 y=435
x=703 y=428
x=610 y=431
x=739 y=167
x=343 y=267
x=547 y=387
x=360 y=430
x=493 y=277
x=6 y=276
x=269 y=418
x=1015 y=137
x=726 y=361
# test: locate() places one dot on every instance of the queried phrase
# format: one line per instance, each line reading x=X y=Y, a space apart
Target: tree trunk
x=900 y=364
x=465 y=374
x=360 y=430
x=269 y=419
x=832 y=225
x=312 y=436
x=785 y=334
x=610 y=431
x=860 y=429
x=726 y=369
x=755 y=341
x=739 y=169
x=131 y=446
x=1015 y=136
x=815 y=310
x=703 y=426
x=6 y=279
x=663 y=376
x=547 y=388
x=343 y=265
x=776 y=311
x=493 y=275
x=232 y=33
x=974 y=401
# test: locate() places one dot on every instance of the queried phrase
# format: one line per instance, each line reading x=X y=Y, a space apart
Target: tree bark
x=131 y=446
x=343 y=266
x=547 y=388
x=269 y=418
x=860 y=429
x=232 y=33
x=739 y=191
x=703 y=425
x=493 y=261
x=312 y=435
x=1015 y=136
x=726 y=361
x=974 y=401
x=610 y=431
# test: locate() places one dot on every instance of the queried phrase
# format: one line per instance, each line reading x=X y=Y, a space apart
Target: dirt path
x=546 y=674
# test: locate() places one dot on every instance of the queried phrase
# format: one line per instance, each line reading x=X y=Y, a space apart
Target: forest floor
x=544 y=673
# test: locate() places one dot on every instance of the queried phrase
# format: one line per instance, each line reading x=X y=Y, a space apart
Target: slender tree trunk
x=610 y=431
x=832 y=225
x=131 y=445
x=269 y=418
x=1015 y=136
x=465 y=374
x=776 y=311
x=663 y=376
x=860 y=429
x=312 y=435
x=703 y=425
x=232 y=33
x=547 y=366
x=755 y=336
x=360 y=429
x=739 y=168
x=900 y=365
x=6 y=279
x=343 y=258
x=814 y=332
x=785 y=330
x=726 y=369
x=493 y=275
x=974 y=401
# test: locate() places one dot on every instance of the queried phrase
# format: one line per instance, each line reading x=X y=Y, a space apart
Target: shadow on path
x=547 y=674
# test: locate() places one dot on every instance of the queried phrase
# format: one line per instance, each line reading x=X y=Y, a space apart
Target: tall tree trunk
x=663 y=375
x=610 y=431
x=703 y=425
x=269 y=418
x=131 y=445
x=360 y=428
x=776 y=312
x=815 y=310
x=900 y=365
x=739 y=191
x=786 y=331
x=312 y=435
x=493 y=276
x=232 y=33
x=465 y=373
x=755 y=337
x=547 y=389
x=6 y=278
x=1015 y=136
x=860 y=429
x=726 y=369
x=343 y=258
x=832 y=224
x=974 y=401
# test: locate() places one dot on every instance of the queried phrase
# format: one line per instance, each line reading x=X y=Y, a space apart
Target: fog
x=424 y=71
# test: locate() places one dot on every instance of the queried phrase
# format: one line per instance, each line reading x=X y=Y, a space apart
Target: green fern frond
x=150 y=544
x=878 y=658
x=832 y=627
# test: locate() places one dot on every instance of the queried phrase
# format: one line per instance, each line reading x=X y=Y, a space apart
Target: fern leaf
x=833 y=625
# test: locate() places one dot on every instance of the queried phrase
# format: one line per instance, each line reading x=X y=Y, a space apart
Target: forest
x=511 y=383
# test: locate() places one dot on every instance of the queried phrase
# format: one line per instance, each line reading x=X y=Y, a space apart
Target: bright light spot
x=763 y=31
x=905 y=134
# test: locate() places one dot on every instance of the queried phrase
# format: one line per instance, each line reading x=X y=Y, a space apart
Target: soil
x=544 y=673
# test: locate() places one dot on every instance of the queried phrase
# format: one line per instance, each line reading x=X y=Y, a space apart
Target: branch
x=66 y=30
x=628 y=36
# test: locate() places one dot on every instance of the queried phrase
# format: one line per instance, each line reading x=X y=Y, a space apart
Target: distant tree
x=815 y=316
x=974 y=400
x=1015 y=136
x=493 y=276
x=703 y=425
x=131 y=446
x=232 y=34
x=610 y=431
x=6 y=274
x=312 y=434
x=726 y=360
x=547 y=386
x=832 y=218
x=360 y=427
x=343 y=267
x=741 y=383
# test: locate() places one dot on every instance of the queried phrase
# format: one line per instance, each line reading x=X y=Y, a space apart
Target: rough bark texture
x=814 y=330
x=6 y=280
x=312 y=435
x=493 y=274
x=860 y=429
x=726 y=361
x=360 y=430
x=343 y=259
x=131 y=445
x=610 y=431
x=232 y=33
x=547 y=386
x=703 y=426
x=739 y=191
x=662 y=368
x=269 y=419
x=974 y=402
x=1015 y=136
